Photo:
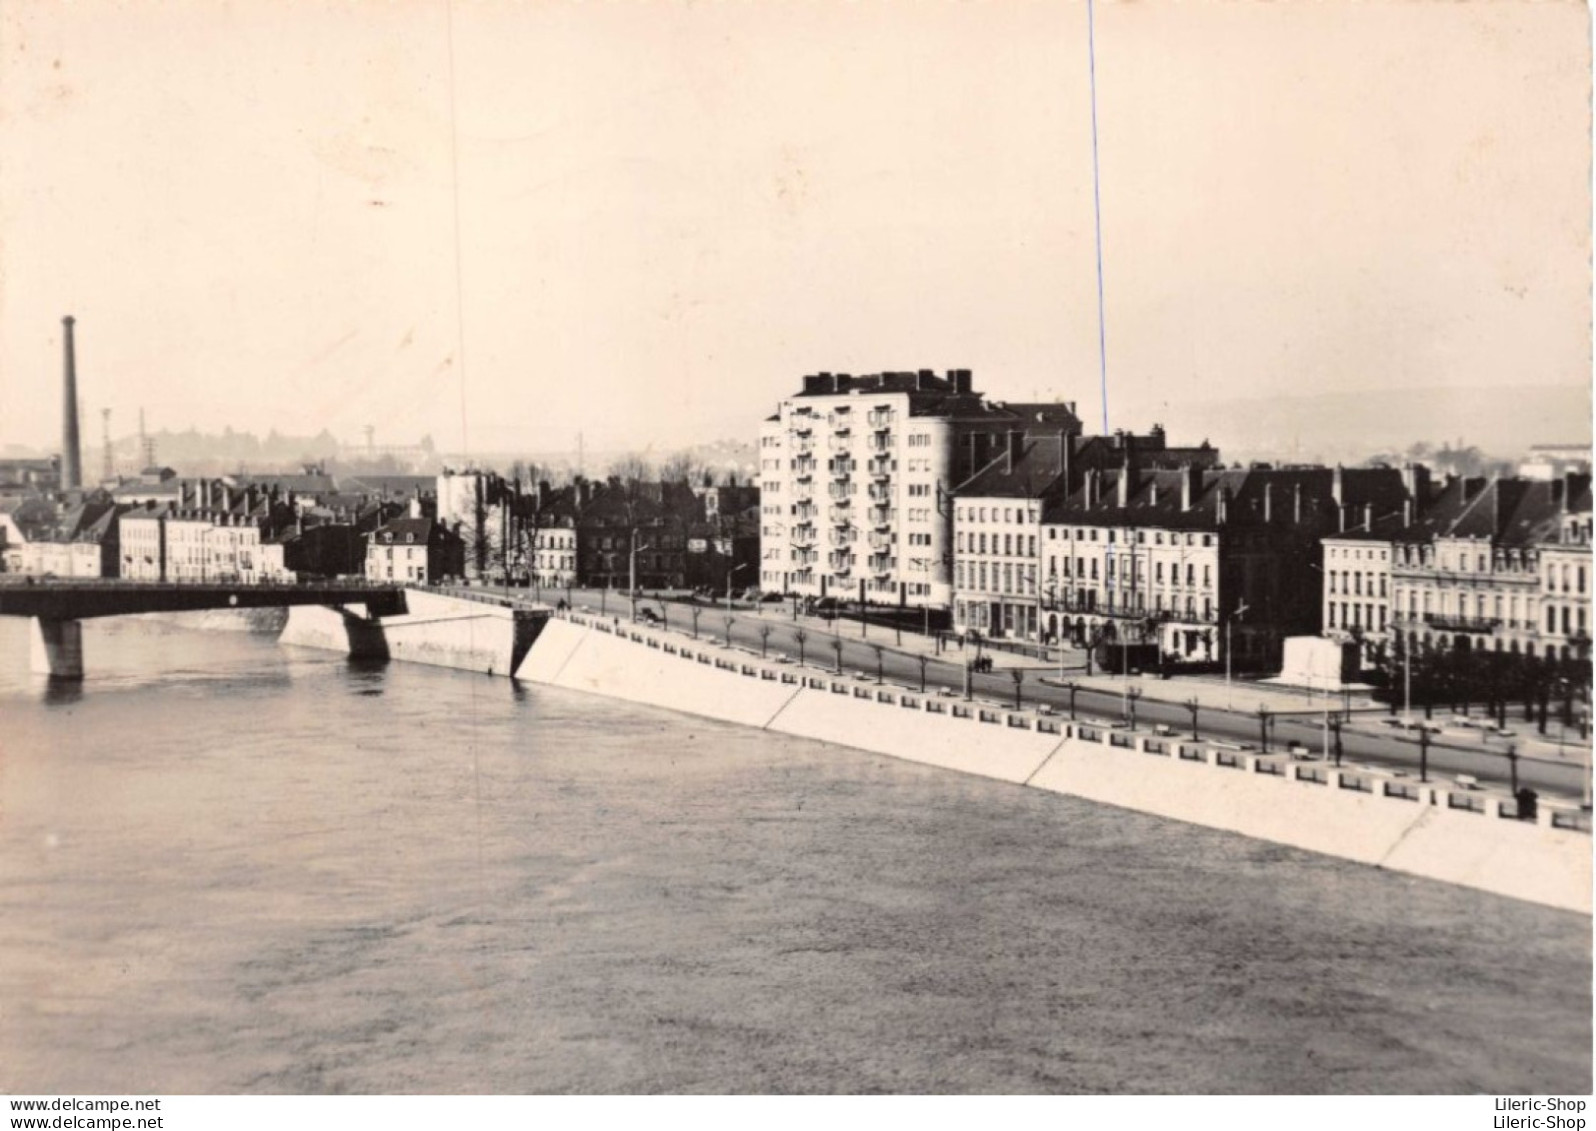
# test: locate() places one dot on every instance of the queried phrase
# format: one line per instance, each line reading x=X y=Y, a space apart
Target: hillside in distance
x=1348 y=427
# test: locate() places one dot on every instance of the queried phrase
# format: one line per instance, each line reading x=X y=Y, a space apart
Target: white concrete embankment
x=439 y=630
x=1459 y=836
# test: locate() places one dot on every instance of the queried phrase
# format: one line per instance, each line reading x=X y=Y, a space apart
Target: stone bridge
x=58 y=607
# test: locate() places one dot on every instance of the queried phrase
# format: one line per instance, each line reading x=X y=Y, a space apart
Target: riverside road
x=1563 y=779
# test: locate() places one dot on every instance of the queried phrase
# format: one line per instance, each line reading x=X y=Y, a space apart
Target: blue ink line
x=1097 y=205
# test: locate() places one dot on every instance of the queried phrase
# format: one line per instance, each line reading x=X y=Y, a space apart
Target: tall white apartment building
x=856 y=475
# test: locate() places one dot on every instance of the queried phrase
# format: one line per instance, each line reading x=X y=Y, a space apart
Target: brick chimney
x=71 y=457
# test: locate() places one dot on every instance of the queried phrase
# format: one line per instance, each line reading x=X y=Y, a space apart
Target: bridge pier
x=56 y=648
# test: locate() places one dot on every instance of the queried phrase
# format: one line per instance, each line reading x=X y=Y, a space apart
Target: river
x=231 y=866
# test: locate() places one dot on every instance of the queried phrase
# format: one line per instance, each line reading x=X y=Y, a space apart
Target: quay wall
x=1434 y=830
x=440 y=630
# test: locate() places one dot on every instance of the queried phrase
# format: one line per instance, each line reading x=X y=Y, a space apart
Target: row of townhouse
x=79 y=540
x=190 y=530
x=1166 y=549
x=601 y=533
x=1499 y=565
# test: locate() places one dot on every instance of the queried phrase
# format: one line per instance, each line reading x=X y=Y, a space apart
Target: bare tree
x=678 y=468
x=629 y=476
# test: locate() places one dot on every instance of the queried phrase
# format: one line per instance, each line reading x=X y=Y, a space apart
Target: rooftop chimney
x=1122 y=488
x=1190 y=485
x=1016 y=448
x=1296 y=504
x=71 y=460
x=1336 y=489
x=1269 y=503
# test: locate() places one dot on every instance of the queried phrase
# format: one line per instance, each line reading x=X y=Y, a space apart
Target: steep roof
x=1156 y=498
x=1035 y=472
x=1505 y=511
x=423 y=531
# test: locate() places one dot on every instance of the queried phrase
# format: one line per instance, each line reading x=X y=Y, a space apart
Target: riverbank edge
x=1368 y=816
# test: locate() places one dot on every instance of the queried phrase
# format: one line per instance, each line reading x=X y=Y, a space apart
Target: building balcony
x=803 y=428
x=880 y=442
x=881 y=418
x=841 y=536
x=1450 y=622
x=880 y=494
x=880 y=517
x=803 y=536
x=880 y=564
x=880 y=541
x=881 y=467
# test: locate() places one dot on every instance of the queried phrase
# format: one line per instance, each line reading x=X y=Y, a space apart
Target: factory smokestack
x=71 y=457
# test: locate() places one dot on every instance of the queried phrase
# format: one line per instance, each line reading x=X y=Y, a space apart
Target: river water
x=230 y=866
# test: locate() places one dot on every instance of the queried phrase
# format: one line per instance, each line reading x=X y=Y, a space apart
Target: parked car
x=649 y=616
x=767 y=598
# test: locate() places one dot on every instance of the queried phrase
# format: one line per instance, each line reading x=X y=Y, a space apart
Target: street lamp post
x=1131 y=695
x=1018 y=676
x=1193 y=706
x=1407 y=685
x=1241 y=608
x=922 y=660
x=729 y=575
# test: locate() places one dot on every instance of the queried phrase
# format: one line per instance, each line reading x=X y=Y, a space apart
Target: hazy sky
x=507 y=222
